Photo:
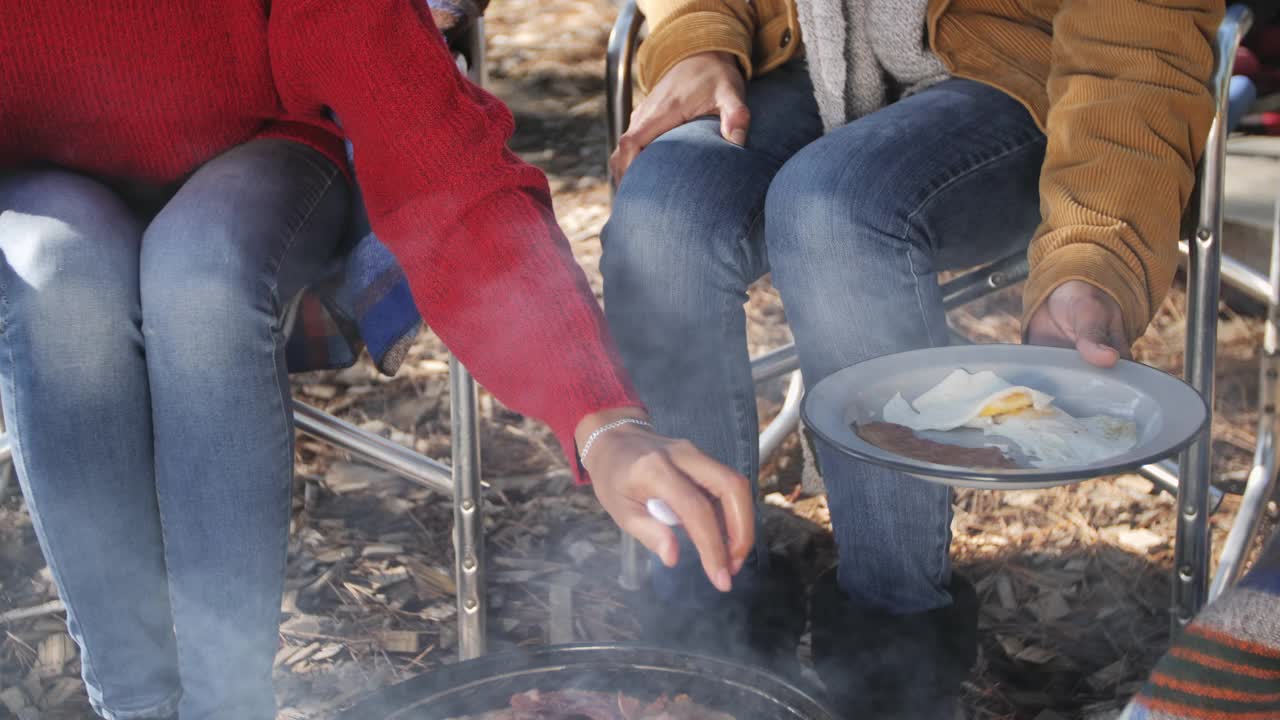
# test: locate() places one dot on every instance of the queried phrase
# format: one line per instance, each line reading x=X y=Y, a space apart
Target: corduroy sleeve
x=1129 y=115
x=681 y=28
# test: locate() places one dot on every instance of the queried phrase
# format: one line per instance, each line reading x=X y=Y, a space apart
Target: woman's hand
x=1081 y=316
x=704 y=84
x=631 y=464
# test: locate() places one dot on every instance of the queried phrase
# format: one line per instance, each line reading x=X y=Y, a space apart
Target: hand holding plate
x=1081 y=316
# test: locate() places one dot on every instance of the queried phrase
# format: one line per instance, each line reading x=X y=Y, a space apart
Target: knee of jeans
x=830 y=193
x=80 y=334
x=69 y=277
x=204 y=311
x=672 y=237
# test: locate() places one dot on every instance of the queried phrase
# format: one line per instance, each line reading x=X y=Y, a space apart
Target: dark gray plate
x=1167 y=411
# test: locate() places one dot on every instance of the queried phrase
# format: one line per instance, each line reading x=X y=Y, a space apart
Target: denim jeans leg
x=219 y=265
x=858 y=225
x=73 y=379
x=680 y=250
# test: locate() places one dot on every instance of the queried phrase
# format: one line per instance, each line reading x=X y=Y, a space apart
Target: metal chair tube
x=786 y=421
x=618 y=59
x=468 y=513
x=775 y=363
x=1262 y=477
x=986 y=280
x=477 y=70
x=373 y=449
x=1191 y=544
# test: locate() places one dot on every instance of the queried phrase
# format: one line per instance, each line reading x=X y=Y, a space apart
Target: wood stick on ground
x=561 y=627
x=50 y=608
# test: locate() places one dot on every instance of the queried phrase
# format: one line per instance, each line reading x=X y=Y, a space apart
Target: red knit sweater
x=148 y=91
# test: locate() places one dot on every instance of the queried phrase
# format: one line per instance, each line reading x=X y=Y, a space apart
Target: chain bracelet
x=591 y=439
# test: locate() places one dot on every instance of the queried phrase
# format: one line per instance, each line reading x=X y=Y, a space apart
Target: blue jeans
x=142 y=372
x=855 y=226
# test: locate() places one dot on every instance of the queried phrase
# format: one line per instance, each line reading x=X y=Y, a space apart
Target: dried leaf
x=380 y=550
x=1012 y=646
x=1109 y=676
x=1140 y=540
x=400 y=641
x=64 y=689
x=1036 y=655
x=54 y=653
x=1050 y=607
x=303 y=653
x=1004 y=591
x=321 y=392
x=328 y=651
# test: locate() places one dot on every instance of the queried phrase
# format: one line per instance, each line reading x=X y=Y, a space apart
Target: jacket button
x=786 y=38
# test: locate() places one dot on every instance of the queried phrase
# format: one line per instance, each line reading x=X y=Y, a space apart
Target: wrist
x=597 y=420
x=726 y=58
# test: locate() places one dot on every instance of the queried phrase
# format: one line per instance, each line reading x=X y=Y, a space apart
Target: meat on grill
x=591 y=705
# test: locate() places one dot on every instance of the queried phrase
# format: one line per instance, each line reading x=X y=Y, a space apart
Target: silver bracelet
x=591 y=439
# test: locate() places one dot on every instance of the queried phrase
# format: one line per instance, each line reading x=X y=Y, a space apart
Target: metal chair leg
x=1191 y=545
x=6 y=465
x=617 y=80
x=477 y=69
x=617 y=77
x=468 y=497
x=634 y=559
x=468 y=513
x=786 y=421
x=1262 y=477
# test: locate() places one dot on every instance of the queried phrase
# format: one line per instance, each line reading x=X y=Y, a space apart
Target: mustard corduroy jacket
x=1120 y=87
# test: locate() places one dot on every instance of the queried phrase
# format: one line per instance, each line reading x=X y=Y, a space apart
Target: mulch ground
x=1074 y=581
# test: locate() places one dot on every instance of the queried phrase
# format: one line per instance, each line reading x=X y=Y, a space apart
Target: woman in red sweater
x=169 y=182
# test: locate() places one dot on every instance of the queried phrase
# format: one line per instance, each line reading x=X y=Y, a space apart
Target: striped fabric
x=1226 y=664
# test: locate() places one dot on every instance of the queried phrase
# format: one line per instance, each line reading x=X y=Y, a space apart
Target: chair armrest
x=623 y=42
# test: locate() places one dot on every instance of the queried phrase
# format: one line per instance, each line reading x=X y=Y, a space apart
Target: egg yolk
x=1012 y=402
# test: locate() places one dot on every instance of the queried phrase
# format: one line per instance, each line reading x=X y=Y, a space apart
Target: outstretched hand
x=631 y=464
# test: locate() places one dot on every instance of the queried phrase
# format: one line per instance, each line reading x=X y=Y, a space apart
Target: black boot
x=893 y=667
x=758 y=629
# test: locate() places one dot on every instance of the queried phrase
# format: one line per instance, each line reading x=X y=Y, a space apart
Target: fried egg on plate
x=960 y=399
x=1046 y=435
x=1052 y=438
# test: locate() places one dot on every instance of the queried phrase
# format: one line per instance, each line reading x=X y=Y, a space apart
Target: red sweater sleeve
x=470 y=223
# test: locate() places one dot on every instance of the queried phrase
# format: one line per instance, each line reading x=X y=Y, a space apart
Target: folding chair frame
x=1188 y=479
x=461 y=479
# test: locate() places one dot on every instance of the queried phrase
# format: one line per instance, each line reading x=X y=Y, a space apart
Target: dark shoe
x=899 y=667
x=758 y=629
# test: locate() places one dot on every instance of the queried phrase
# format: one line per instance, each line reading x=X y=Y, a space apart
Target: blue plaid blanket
x=363 y=300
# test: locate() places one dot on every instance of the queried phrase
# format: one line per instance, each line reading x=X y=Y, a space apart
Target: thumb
x=735 y=119
x=1093 y=343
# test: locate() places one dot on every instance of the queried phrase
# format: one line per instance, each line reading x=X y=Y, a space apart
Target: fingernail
x=723 y=582
x=739 y=137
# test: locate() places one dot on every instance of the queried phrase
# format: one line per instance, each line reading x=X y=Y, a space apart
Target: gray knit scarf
x=864 y=54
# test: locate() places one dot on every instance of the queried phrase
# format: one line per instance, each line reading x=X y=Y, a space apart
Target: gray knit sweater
x=863 y=54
